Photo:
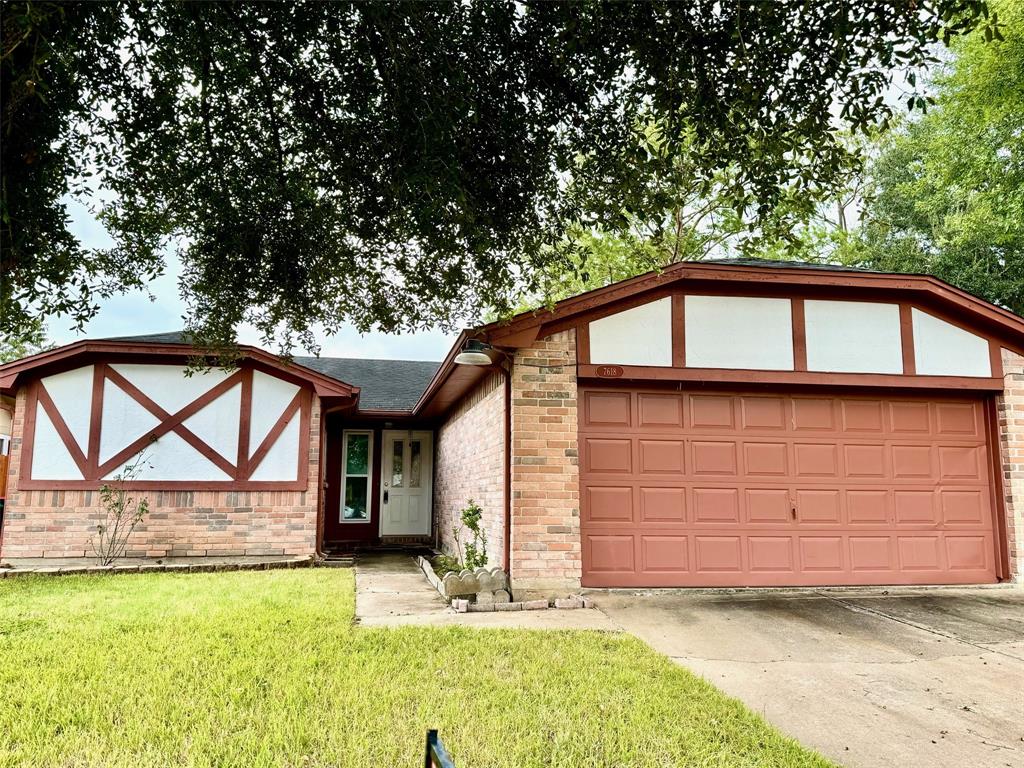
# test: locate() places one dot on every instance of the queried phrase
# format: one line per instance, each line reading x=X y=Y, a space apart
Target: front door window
x=355 y=507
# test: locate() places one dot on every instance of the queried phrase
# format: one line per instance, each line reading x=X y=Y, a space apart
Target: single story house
x=724 y=423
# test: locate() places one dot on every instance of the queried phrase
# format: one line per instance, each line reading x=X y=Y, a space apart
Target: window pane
x=355 y=499
x=397 y=455
x=357 y=455
x=414 y=463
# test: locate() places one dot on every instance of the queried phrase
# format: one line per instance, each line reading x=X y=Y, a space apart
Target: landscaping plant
x=123 y=513
x=473 y=553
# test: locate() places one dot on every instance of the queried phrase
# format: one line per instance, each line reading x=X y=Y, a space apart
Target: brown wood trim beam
x=715 y=375
x=275 y=432
x=799 y=334
x=583 y=343
x=244 y=426
x=678 y=330
x=165 y=485
x=99 y=376
x=170 y=422
x=62 y=430
x=907 y=339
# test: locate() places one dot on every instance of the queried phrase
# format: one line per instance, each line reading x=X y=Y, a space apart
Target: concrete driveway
x=907 y=678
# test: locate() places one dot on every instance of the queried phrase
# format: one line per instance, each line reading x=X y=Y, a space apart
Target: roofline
x=324 y=386
x=526 y=326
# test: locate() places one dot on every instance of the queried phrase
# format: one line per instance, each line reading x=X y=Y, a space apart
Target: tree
x=403 y=164
x=31 y=342
x=947 y=190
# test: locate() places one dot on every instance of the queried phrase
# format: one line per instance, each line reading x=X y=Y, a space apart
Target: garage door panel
x=714 y=457
x=605 y=455
x=910 y=417
x=733 y=489
x=609 y=504
x=863 y=416
x=816 y=460
x=662 y=505
x=868 y=506
x=958 y=419
x=716 y=505
x=771 y=554
x=712 y=411
x=718 y=553
x=665 y=553
x=661 y=456
x=763 y=413
x=766 y=459
x=820 y=505
x=871 y=553
x=657 y=411
x=768 y=505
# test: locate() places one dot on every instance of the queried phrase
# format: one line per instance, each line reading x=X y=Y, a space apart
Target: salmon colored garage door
x=723 y=489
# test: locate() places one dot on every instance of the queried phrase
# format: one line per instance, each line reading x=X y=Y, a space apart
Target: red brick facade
x=61 y=523
x=545 y=468
x=1011 y=445
x=470 y=464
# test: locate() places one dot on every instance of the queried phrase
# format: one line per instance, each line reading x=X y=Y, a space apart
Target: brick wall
x=545 y=469
x=57 y=523
x=470 y=464
x=1011 y=448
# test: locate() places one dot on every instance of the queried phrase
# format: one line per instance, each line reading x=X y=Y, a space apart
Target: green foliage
x=472 y=554
x=31 y=342
x=122 y=513
x=948 y=189
x=402 y=164
x=446 y=564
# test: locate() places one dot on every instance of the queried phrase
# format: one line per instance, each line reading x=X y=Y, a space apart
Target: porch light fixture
x=475 y=352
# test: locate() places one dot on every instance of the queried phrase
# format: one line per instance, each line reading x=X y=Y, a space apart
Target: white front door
x=406 y=479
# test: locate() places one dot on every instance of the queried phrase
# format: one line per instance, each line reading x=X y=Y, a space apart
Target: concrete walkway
x=392 y=591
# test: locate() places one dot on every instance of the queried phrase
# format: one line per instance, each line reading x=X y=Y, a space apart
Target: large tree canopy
x=947 y=190
x=394 y=165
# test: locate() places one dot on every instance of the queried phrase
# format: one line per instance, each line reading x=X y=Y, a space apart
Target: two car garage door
x=734 y=489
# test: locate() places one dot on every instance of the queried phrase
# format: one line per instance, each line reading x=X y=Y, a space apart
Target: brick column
x=545 y=468
x=1011 y=451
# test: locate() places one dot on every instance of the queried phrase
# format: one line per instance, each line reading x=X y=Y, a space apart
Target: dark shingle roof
x=783 y=264
x=385 y=385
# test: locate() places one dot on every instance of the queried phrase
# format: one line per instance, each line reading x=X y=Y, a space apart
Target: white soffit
x=638 y=336
x=71 y=392
x=217 y=423
x=270 y=396
x=944 y=349
x=739 y=332
x=171 y=458
x=282 y=460
x=124 y=420
x=853 y=337
x=167 y=385
x=51 y=459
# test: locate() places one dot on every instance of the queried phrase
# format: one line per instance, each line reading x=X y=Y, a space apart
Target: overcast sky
x=134 y=313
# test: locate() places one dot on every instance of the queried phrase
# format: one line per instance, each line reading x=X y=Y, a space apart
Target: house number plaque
x=609 y=371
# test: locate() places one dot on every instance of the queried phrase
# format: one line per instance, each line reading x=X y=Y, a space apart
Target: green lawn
x=265 y=669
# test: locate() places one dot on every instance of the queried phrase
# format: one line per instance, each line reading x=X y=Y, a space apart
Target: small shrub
x=446 y=564
x=473 y=553
x=123 y=513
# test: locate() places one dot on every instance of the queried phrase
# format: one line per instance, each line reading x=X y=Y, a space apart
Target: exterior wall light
x=475 y=352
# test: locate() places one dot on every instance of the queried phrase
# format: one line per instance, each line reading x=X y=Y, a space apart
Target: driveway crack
x=916 y=625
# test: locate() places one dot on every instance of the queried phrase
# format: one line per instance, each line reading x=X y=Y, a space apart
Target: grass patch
x=266 y=669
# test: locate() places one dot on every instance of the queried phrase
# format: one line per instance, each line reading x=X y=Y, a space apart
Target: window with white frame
x=356 y=479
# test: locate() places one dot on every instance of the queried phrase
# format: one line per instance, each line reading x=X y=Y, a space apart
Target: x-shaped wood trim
x=88 y=462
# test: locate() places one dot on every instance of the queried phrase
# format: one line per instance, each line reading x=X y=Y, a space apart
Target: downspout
x=507 y=559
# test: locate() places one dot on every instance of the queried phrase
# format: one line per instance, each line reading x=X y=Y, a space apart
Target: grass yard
x=266 y=669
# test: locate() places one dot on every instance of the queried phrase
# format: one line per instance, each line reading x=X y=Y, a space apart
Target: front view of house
x=722 y=423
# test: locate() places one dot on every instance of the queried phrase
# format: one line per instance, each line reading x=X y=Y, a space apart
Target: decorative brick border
x=81 y=570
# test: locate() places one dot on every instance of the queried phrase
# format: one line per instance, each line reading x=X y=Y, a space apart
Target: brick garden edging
x=266 y=565
x=490 y=590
